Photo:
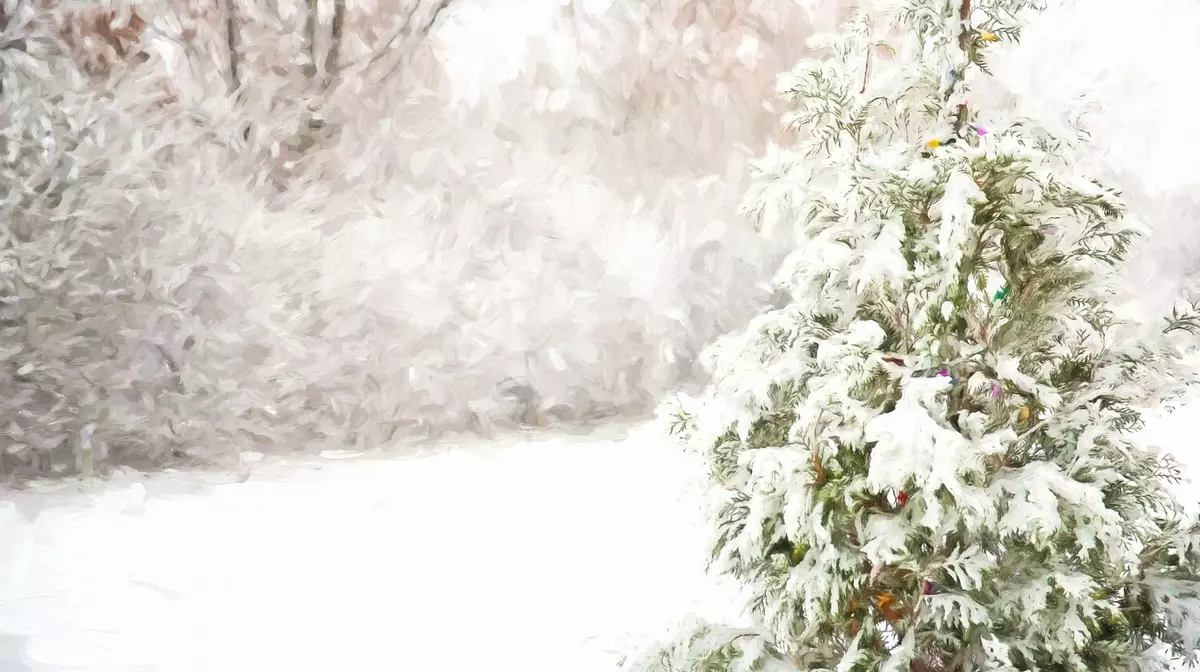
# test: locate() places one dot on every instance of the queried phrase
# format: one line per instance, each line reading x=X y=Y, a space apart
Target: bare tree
x=388 y=56
x=404 y=39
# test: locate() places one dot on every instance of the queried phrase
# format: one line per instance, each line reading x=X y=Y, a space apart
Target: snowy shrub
x=219 y=245
x=86 y=201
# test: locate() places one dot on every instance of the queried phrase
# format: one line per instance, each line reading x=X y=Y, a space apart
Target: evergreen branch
x=1184 y=319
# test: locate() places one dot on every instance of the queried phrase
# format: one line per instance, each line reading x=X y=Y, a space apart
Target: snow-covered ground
x=546 y=553
x=538 y=554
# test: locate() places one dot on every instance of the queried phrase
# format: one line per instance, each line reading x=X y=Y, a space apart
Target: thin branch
x=866 y=71
x=310 y=41
x=964 y=43
x=404 y=31
x=424 y=32
x=335 y=42
x=1029 y=432
x=231 y=43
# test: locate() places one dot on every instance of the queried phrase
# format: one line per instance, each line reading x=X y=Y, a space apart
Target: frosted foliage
x=549 y=235
x=934 y=442
x=1121 y=83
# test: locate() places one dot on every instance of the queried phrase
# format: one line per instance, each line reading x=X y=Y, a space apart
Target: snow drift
x=540 y=549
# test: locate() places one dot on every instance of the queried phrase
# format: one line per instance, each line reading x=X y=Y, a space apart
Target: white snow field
x=546 y=554
x=533 y=555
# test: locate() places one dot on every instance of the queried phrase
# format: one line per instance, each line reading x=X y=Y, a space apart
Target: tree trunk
x=335 y=43
x=229 y=11
x=310 y=42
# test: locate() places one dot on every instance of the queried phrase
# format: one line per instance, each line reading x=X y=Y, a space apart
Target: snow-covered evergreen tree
x=928 y=459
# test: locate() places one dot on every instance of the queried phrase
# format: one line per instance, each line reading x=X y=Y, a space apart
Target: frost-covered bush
x=86 y=202
x=197 y=270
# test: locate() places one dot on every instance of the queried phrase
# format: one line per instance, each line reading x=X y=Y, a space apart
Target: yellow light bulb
x=798 y=553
